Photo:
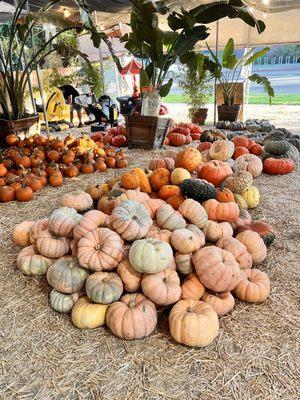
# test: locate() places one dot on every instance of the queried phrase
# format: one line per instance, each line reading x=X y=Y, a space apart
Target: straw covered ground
x=255 y=357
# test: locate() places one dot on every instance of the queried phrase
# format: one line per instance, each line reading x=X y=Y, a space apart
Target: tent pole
x=217 y=46
x=100 y=59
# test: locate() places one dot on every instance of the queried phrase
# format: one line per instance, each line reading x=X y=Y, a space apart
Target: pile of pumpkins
x=139 y=251
x=115 y=136
x=28 y=165
x=183 y=133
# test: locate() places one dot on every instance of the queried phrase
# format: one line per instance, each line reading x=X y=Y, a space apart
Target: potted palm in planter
x=199 y=89
x=14 y=76
x=230 y=79
x=160 y=49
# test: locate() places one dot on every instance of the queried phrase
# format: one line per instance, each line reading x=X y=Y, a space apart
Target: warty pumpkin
x=131 y=220
x=104 y=287
x=132 y=307
x=217 y=269
x=227 y=212
x=188 y=159
x=100 y=250
x=130 y=277
x=88 y=315
x=254 y=286
x=130 y=180
x=21 y=233
x=221 y=150
x=52 y=246
x=222 y=303
x=62 y=221
x=192 y=288
x=237 y=249
x=163 y=288
x=198 y=189
x=150 y=255
x=252 y=197
x=214 y=231
x=30 y=262
x=240 y=201
x=254 y=244
x=186 y=241
x=66 y=275
x=193 y=323
x=193 y=212
x=62 y=302
x=239 y=181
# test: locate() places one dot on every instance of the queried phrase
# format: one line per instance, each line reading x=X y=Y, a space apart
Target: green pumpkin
x=198 y=190
x=62 y=302
x=292 y=153
x=277 y=147
x=104 y=287
x=295 y=142
x=211 y=135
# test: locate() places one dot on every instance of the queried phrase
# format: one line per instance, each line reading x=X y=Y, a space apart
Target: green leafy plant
x=198 y=88
x=160 y=49
x=14 y=75
x=228 y=70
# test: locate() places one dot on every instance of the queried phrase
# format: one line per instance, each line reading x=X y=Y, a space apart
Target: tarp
x=132 y=68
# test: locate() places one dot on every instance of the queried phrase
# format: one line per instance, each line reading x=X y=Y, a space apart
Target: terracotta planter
x=199 y=116
x=18 y=126
x=228 y=113
x=146 y=132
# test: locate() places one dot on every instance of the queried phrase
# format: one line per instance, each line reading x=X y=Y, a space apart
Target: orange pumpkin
x=168 y=191
x=254 y=286
x=188 y=159
x=222 y=303
x=192 y=288
x=159 y=178
x=130 y=277
x=7 y=194
x=215 y=172
x=256 y=149
x=239 y=151
x=176 y=201
x=228 y=212
x=130 y=180
x=165 y=162
x=224 y=195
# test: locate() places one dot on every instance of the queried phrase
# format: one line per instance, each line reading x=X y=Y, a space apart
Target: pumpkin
x=150 y=255
x=66 y=275
x=215 y=172
x=100 y=250
x=281 y=166
x=224 y=195
x=222 y=303
x=228 y=212
x=91 y=220
x=243 y=219
x=168 y=191
x=198 y=189
x=21 y=233
x=88 y=315
x=104 y=287
x=132 y=307
x=176 y=139
x=24 y=193
x=94 y=191
x=175 y=201
x=38 y=226
x=165 y=162
x=106 y=205
x=144 y=182
x=193 y=323
x=100 y=165
x=277 y=146
x=239 y=181
x=130 y=277
x=170 y=154
x=217 y=269
x=292 y=153
x=163 y=235
x=237 y=249
x=168 y=218
x=62 y=221
x=178 y=175
x=152 y=205
x=213 y=231
x=256 y=149
x=136 y=195
x=159 y=178
x=221 y=150
x=254 y=286
x=186 y=241
x=131 y=220
x=81 y=202
x=192 y=288
x=188 y=159
x=254 y=244
x=62 y=302
x=204 y=146
x=265 y=231
x=184 y=263
x=211 y=135
x=240 y=201
x=130 y=180
x=52 y=246
x=30 y=262
x=162 y=288
x=239 y=151
x=250 y=163
x=192 y=211
x=252 y=197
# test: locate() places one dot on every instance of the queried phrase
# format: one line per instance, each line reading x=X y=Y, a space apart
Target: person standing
x=70 y=93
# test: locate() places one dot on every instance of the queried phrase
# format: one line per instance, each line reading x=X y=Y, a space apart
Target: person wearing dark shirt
x=70 y=93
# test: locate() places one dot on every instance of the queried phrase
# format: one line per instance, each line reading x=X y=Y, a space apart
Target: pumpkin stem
x=132 y=303
x=189 y=309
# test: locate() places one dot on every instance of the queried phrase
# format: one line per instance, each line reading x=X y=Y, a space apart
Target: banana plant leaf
x=263 y=81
